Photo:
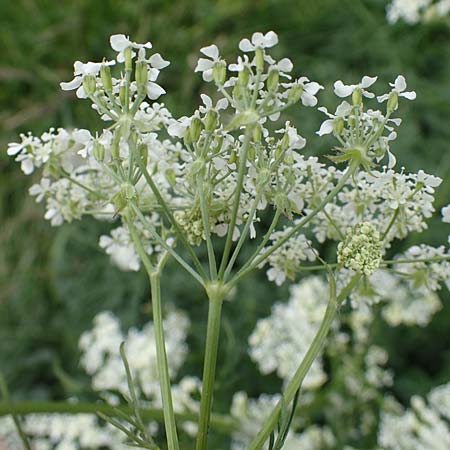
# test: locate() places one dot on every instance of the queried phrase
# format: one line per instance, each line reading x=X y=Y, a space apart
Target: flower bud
x=251 y=153
x=338 y=126
x=105 y=75
x=357 y=97
x=233 y=158
x=257 y=133
x=259 y=57
x=171 y=177
x=219 y=72
x=122 y=95
x=99 y=151
x=115 y=149
x=295 y=94
x=284 y=144
x=143 y=153
x=211 y=120
x=244 y=76
x=128 y=191
x=128 y=56
x=141 y=76
x=392 y=103
x=195 y=129
x=272 y=80
x=89 y=85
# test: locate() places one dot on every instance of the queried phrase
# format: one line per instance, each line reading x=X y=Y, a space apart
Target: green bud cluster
x=362 y=249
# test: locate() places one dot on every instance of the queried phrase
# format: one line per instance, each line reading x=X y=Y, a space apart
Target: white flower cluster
x=280 y=341
x=101 y=357
x=415 y=11
x=250 y=414
x=422 y=426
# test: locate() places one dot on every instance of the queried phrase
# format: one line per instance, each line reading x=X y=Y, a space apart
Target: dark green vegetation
x=53 y=281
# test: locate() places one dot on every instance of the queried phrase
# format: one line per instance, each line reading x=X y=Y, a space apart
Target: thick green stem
x=209 y=368
x=312 y=353
x=163 y=367
x=220 y=423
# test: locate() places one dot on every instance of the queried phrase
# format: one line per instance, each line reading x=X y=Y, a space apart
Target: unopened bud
x=233 y=158
x=89 y=85
x=195 y=129
x=115 y=149
x=219 y=72
x=128 y=55
x=284 y=144
x=211 y=120
x=338 y=126
x=141 y=76
x=251 y=153
x=143 y=153
x=259 y=57
x=244 y=76
x=295 y=94
x=105 y=75
x=357 y=97
x=122 y=95
x=392 y=103
x=257 y=133
x=99 y=151
x=272 y=80
x=171 y=177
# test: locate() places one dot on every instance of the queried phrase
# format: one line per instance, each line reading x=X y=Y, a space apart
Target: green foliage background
x=53 y=281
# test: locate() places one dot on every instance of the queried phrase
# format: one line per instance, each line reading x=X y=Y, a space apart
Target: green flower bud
x=128 y=55
x=99 y=151
x=338 y=126
x=141 y=77
x=284 y=144
x=233 y=158
x=220 y=72
x=295 y=94
x=143 y=153
x=128 y=191
x=89 y=85
x=362 y=249
x=251 y=153
x=187 y=138
x=170 y=177
x=272 y=80
x=122 y=95
x=115 y=149
x=259 y=56
x=105 y=75
x=357 y=97
x=211 y=120
x=392 y=103
x=244 y=76
x=195 y=129
x=257 y=133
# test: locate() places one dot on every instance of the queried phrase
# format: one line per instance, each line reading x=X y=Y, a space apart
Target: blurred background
x=54 y=280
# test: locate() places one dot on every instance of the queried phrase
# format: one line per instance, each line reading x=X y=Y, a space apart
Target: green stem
x=207 y=230
x=312 y=353
x=163 y=367
x=220 y=423
x=209 y=368
x=172 y=219
x=236 y=201
x=154 y=275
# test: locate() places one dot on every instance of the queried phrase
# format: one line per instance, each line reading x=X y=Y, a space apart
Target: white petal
x=258 y=39
x=326 y=127
x=285 y=65
x=246 y=46
x=27 y=166
x=203 y=64
x=208 y=75
x=222 y=104
x=400 y=83
x=343 y=109
x=308 y=99
x=158 y=62
x=70 y=85
x=392 y=160
x=382 y=98
x=341 y=90
x=206 y=101
x=82 y=136
x=313 y=88
x=368 y=81
x=271 y=39
x=119 y=42
x=409 y=95
x=211 y=51
x=154 y=90
x=14 y=148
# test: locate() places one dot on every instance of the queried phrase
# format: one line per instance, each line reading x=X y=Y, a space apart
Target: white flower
x=343 y=90
x=309 y=90
x=398 y=86
x=80 y=71
x=120 y=42
x=259 y=40
x=206 y=65
x=446 y=214
x=40 y=190
x=208 y=104
x=342 y=111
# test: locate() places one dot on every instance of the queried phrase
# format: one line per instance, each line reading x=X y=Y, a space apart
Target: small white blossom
x=260 y=40
x=343 y=90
